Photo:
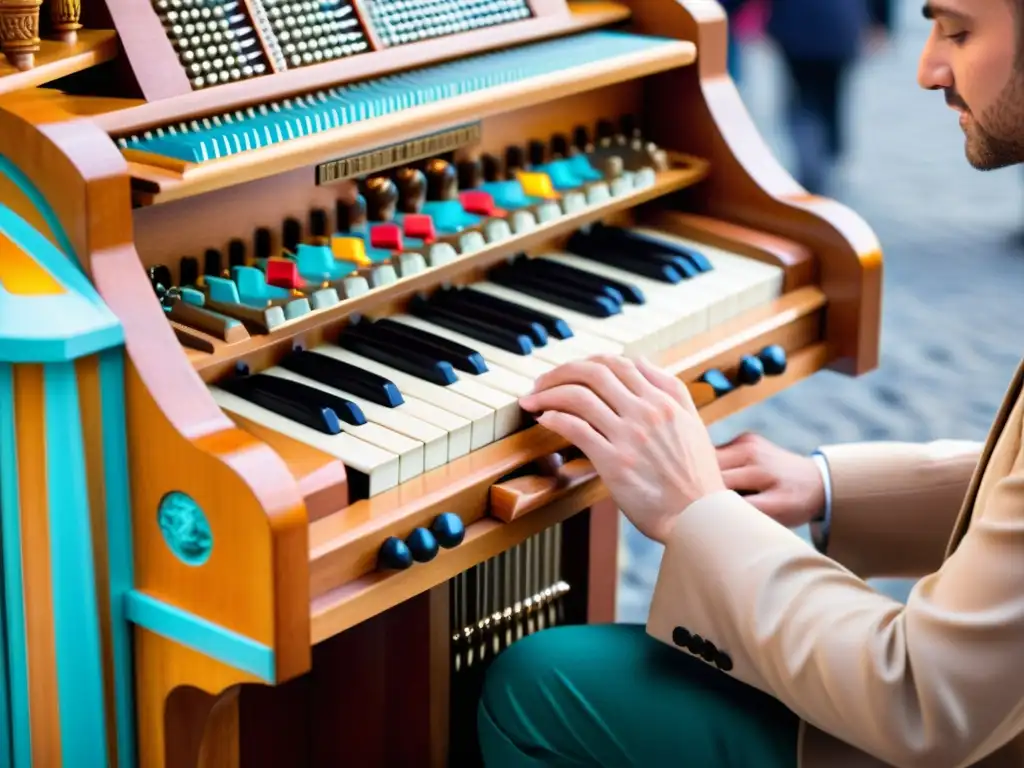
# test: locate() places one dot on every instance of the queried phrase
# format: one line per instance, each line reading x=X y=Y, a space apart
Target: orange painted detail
x=30 y=418
x=21 y=274
x=87 y=372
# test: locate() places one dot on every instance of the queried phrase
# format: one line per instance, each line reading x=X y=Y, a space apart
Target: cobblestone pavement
x=953 y=328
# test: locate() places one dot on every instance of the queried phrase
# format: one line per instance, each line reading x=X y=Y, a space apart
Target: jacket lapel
x=966 y=510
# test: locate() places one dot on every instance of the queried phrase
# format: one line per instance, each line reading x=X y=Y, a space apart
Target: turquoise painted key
x=317 y=264
x=449 y=216
x=509 y=195
x=207 y=139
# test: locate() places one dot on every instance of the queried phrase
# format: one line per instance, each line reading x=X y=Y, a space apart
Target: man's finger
x=667 y=383
x=599 y=378
x=748 y=478
x=581 y=434
x=579 y=401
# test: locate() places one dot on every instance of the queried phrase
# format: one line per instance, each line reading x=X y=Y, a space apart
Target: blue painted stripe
x=83 y=733
x=201 y=635
x=119 y=547
x=9 y=169
x=14 y=590
x=52 y=327
x=6 y=757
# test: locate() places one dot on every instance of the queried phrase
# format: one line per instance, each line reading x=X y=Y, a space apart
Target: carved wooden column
x=65 y=15
x=19 y=31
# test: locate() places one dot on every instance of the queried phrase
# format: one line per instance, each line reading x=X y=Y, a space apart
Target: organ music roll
x=274 y=276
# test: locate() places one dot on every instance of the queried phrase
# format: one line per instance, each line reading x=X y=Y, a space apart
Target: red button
x=420 y=226
x=284 y=273
x=386 y=236
x=477 y=202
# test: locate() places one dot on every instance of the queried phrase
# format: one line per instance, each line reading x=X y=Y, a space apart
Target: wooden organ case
x=340 y=239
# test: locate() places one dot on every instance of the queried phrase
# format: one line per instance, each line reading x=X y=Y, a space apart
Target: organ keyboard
x=281 y=272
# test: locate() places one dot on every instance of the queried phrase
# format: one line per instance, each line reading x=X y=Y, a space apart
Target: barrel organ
x=274 y=276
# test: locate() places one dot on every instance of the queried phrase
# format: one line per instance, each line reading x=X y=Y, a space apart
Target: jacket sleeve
x=937 y=683
x=894 y=504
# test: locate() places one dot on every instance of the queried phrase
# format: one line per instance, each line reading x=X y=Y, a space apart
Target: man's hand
x=640 y=429
x=785 y=486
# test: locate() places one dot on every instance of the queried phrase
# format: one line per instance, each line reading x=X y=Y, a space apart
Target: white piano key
x=481 y=416
x=754 y=282
x=434 y=439
x=682 y=315
x=459 y=429
x=508 y=416
x=381 y=467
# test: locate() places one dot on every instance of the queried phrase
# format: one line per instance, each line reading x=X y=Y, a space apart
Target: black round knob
x=536 y=150
x=581 y=137
x=422 y=545
x=719 y=382
x=491 y=167
x=750 y=370
x=292 y=234
x=442 y=180
x=448 y=529
x=394 y=555
x=559 y=146
x=264 y=243
x=318 y=222
x=515 y=160
x=773 y=358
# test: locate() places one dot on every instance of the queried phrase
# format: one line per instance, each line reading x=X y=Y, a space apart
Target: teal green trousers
x=612 y=696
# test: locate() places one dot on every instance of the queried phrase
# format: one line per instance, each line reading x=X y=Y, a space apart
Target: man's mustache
x=953 y=99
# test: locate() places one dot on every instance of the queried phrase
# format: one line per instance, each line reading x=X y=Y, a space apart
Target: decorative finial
x=19 y=31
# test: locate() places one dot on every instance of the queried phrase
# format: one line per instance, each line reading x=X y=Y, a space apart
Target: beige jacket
x=937 y=683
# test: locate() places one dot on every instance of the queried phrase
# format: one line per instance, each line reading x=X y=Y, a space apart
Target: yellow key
x=350 y=249
x=537 y=185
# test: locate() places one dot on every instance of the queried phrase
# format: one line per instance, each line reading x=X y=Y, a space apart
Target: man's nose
x=933 y=72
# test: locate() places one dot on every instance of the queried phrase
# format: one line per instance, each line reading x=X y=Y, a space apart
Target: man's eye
x=958 y=37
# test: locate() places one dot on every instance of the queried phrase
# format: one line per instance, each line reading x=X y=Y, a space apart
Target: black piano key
x=460 y=356
x=584 y=302
x=555 y=326
x=473 y=326
x=305 y=405
x=399 y=357
x=341 y=375
x=653 y=267
x=453 y=299
x=650 y=244
x=614 y=289
x=188 y=271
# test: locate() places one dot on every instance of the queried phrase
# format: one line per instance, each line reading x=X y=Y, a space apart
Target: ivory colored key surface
x=751 y=282
x=434 y=439
x=380 y=467
x=508 y=416
x=528 y=366
x=458 y=428
x=480 y=416
x=684 y=312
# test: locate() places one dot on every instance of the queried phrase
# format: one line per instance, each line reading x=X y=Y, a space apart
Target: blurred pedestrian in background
x=820 y=41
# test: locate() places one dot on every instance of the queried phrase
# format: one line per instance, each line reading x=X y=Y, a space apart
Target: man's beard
x=997 y=139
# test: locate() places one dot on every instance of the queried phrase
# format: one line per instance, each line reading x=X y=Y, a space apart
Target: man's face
x=971 y=54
